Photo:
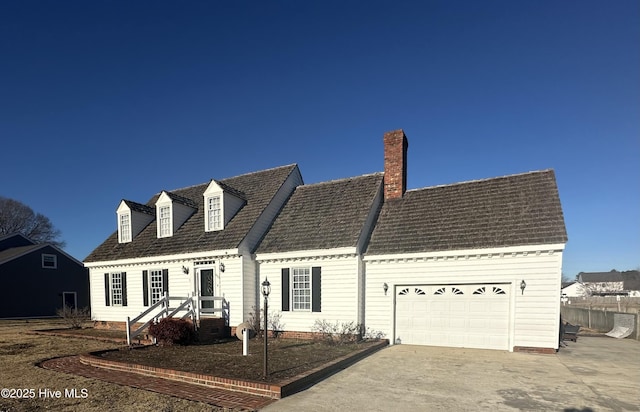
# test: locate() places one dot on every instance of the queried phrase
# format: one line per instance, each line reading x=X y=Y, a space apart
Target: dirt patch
x=286 y=357
x=21 y=352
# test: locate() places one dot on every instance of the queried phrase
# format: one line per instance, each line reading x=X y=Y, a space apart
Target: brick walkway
x=213 y=396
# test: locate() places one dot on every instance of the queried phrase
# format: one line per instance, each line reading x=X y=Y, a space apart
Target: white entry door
x=466 y=316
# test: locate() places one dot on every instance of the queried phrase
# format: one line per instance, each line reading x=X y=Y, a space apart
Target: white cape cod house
x=197 y=241
x=475 y=264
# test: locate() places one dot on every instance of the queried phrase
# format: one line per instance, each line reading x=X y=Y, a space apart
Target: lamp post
x=266 y=289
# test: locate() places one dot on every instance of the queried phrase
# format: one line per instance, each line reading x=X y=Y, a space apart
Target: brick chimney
x=395 y=164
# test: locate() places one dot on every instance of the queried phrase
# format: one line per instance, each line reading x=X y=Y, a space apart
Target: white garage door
x=466 y=316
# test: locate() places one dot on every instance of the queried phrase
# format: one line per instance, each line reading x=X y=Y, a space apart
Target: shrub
x=274 y=322
x=73 y=317
x=343 y=333
x=170 y=331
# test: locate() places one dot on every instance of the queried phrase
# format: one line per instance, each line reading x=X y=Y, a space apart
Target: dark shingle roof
x=11 y=253
x=181 y=199
x=505 y=211
x=258 y=188
x=631 y=280
x=323 y=216
x=591 y=277
x=139 y=207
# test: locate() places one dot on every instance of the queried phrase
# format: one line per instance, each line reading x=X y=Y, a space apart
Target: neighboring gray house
x=611 y=283
x=39 y=279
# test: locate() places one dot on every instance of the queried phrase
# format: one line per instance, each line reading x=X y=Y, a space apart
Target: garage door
x=466 y=316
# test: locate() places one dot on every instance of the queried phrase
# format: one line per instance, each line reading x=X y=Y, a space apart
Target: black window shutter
x=165 y=281
x=285 y=289
x=106 y=290
x=145 y=287
x=316 y=290
x=124 y=289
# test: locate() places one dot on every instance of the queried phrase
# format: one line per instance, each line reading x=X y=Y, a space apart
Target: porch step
x=211 y=329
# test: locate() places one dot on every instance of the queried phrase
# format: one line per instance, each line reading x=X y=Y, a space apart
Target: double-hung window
x=49 y=261
x=214 y=213
x=165 y=221
x=125 y=228
x=301 y=289
x=155 y=283
x=115 y=289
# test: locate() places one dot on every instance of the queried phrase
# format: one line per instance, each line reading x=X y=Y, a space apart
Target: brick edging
x=528 y=349
x=270 y=390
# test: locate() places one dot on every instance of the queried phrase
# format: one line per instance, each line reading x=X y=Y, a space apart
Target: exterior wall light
x=523 y=285
x=221 y=267
x=185 y=270
x=385 y=287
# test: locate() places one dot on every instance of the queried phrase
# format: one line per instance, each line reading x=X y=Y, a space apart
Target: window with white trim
x=49 y=261
x=155 y=286
x=214 y=213
x=165 y=221
x=125 y=228
x=117 y=289
x=301 y=289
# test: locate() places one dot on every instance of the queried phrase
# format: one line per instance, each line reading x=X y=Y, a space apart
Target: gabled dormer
x=171 y=212
x=132 y=218
x=221 y=203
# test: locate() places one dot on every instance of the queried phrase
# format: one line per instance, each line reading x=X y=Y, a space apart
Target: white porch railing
x=190 y=305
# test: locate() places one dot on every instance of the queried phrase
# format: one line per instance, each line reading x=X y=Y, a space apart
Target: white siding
x=180 y=284
x=535 y=313
x=232 y=288
x=251 y=283
x=258 y=230
x=339 y=292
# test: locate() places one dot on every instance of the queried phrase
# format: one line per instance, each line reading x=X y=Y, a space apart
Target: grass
x=20 y=353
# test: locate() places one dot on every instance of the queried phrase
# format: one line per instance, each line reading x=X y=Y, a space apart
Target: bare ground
x=286 y=357
x=20 y=353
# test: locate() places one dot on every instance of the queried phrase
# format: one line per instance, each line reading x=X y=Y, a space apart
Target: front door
x=207 y=287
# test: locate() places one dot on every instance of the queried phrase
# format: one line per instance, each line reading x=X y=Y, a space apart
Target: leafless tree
x=16 y=217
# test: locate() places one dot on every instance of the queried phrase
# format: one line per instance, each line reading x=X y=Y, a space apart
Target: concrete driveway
x=593 y=374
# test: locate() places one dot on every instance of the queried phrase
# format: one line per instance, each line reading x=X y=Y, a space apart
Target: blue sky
x=105 y=100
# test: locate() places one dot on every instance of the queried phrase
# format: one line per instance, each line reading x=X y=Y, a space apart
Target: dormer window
x=132 y=219
x=214 y=213
x=172 y=211
x=164 y=216
x=221 y=203
x=125 y=228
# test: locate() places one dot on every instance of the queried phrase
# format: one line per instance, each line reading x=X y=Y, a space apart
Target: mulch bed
x=287 y=358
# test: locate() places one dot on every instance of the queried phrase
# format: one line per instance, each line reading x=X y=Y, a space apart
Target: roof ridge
x=482 y=180
x=341 y=179
x=229 y=178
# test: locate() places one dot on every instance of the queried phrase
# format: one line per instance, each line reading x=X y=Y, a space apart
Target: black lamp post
x=266 y=289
